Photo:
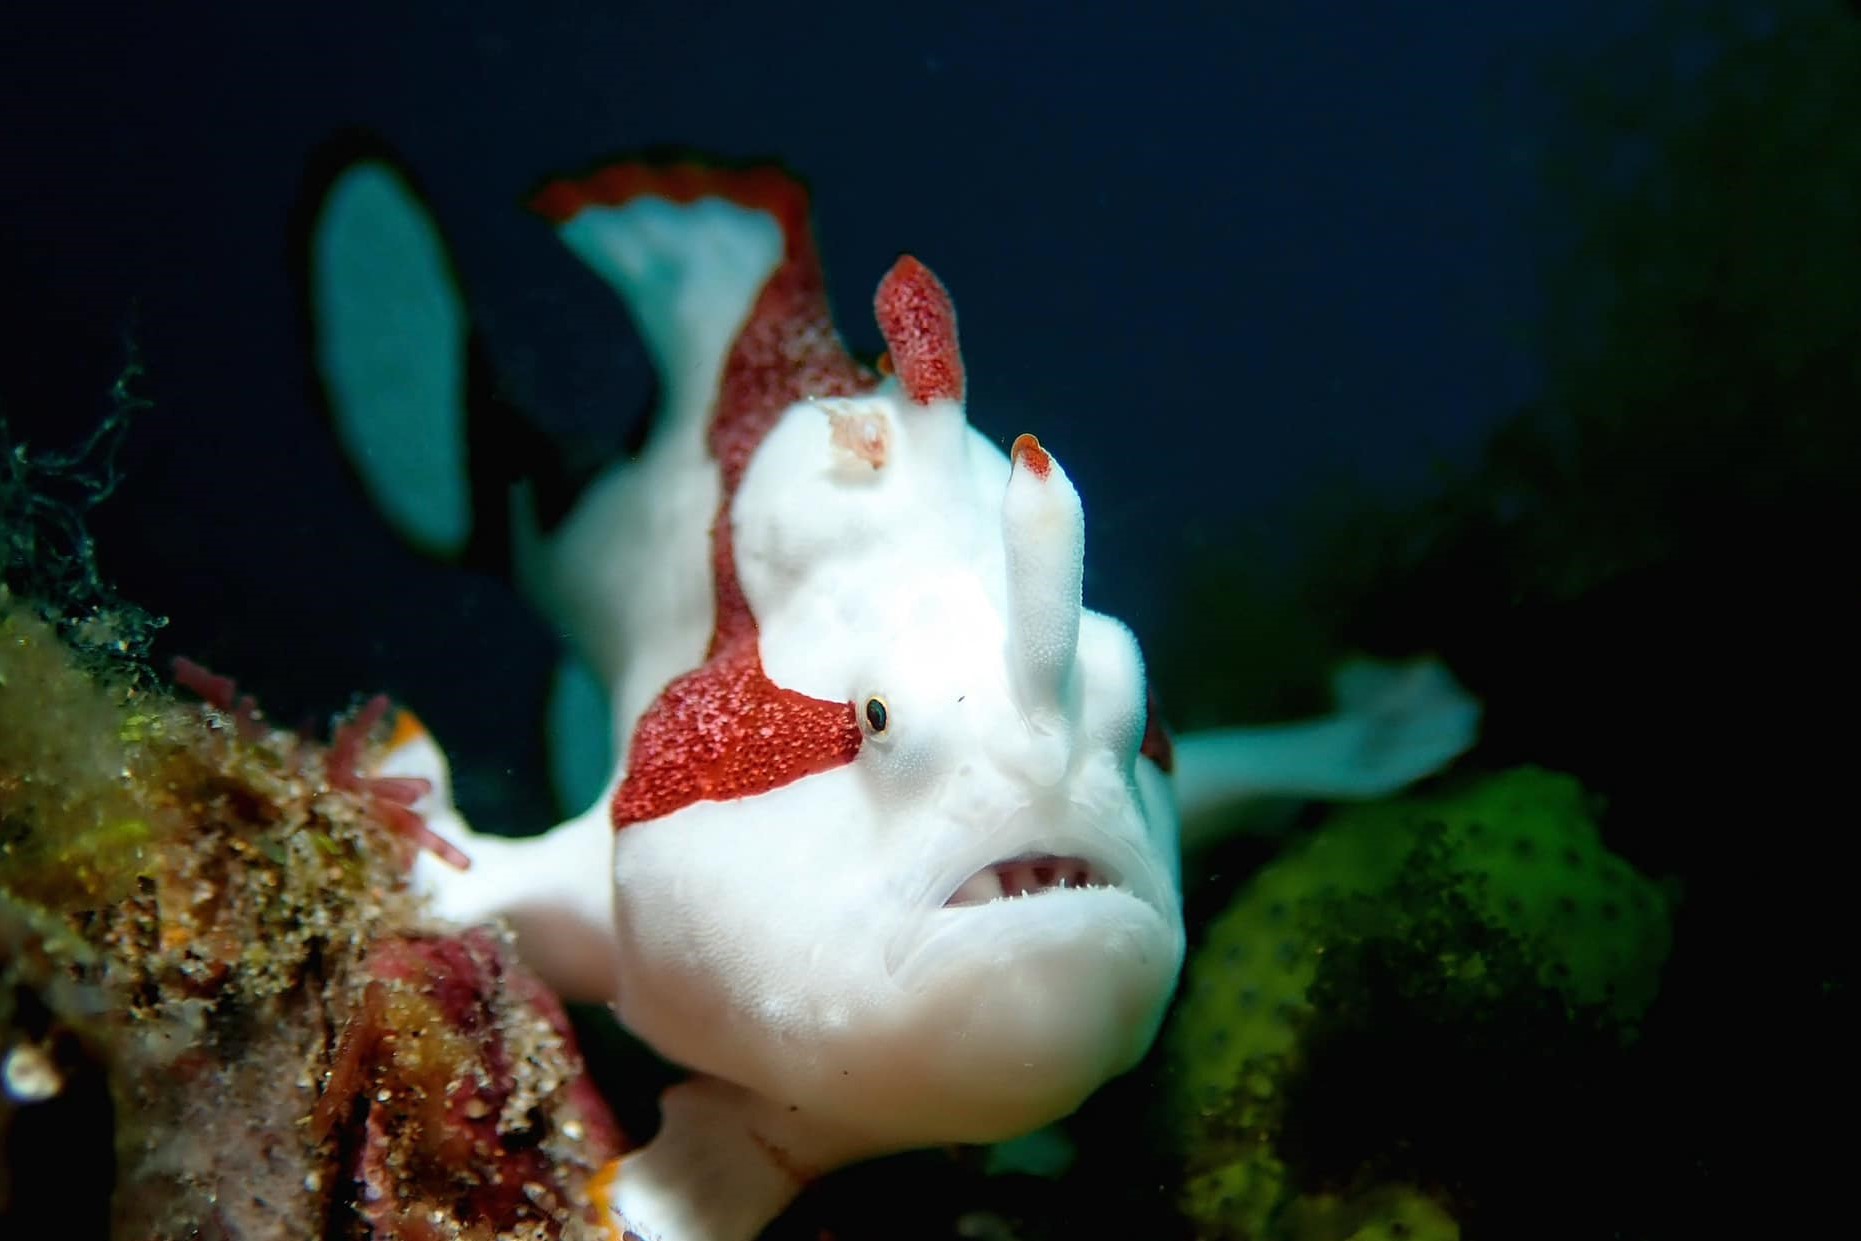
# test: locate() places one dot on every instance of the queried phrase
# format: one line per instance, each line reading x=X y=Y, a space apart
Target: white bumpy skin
x=844 y=943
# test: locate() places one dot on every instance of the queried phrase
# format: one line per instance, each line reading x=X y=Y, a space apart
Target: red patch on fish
x=725 y=730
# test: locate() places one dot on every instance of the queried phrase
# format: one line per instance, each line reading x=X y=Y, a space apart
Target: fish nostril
x=1042 y=759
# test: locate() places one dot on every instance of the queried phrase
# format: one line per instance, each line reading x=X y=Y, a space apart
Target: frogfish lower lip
x=1030 y=875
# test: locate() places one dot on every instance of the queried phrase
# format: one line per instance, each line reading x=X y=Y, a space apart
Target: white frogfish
x=886 y=844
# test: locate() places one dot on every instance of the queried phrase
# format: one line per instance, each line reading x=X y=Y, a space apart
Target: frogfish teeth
x=884 y=849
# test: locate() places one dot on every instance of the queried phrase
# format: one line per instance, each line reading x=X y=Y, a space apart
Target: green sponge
x=1518 y=852
x=1533 y=861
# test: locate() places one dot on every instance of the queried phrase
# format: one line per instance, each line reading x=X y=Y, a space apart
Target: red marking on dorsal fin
x=788 y=350
x=1030 y=456
x=762 y=187
x=918 y=321
x=725 y=730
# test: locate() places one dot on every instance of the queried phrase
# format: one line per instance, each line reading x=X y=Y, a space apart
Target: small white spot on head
x=859 y=435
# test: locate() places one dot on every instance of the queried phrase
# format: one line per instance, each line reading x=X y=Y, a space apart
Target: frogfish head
x=977 y=920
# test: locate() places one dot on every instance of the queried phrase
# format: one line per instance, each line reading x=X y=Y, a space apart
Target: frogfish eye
x=877 y=716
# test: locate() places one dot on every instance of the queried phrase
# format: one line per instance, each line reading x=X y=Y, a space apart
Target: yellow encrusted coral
x=218 y=996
